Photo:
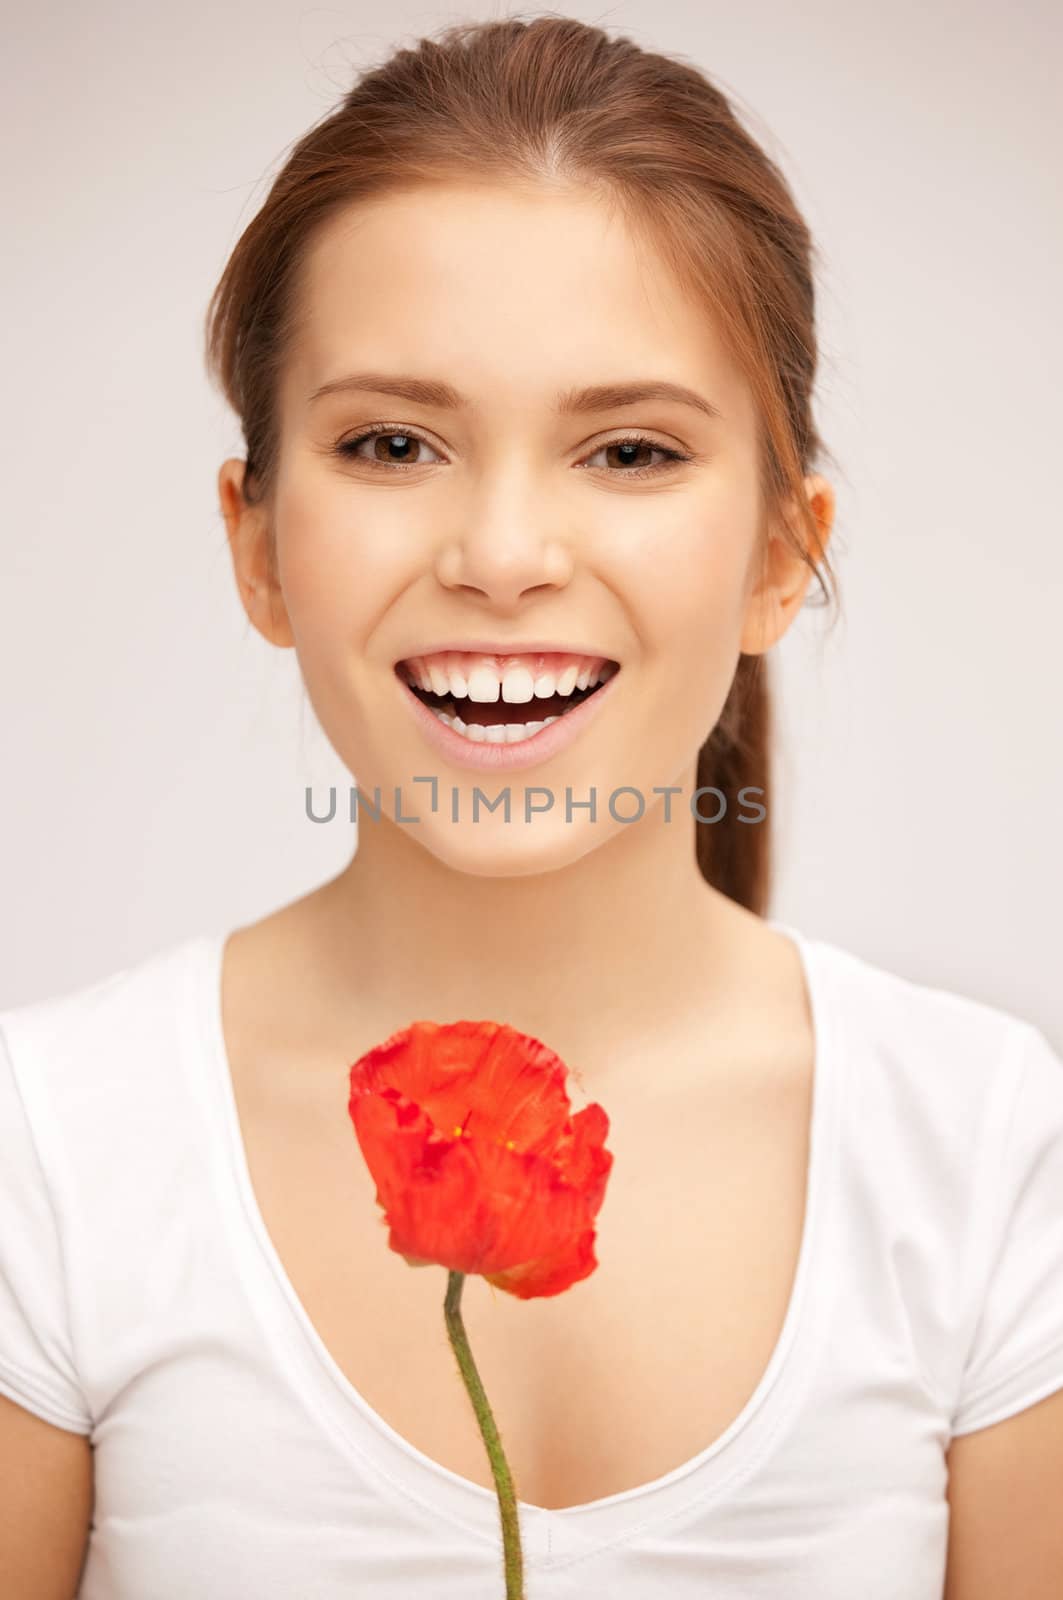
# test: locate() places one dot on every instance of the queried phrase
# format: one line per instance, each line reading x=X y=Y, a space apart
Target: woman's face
x=509 y=518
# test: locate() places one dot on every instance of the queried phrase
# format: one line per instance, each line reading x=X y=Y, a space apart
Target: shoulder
x=100 y=1064
x=947 y=1098
x=98 y=1128
x=935 y=1046
x=102 y=1100
x=952 y=1157
x=98 y=1030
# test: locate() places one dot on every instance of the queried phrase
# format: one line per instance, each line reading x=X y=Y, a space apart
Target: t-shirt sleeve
x=1016 y=1352
x=36 y=1360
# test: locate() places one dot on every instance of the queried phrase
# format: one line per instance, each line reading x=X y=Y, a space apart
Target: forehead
x=505 y=290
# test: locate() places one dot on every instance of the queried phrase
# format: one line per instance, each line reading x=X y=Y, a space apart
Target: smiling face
x=517 y=512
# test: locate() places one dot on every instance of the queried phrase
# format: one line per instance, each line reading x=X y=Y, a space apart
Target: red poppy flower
x=480 y=1166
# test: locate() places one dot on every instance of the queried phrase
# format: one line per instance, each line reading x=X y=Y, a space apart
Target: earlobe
x=771 y=609
x=785 y=576
x=822 y=500
x=247 y=529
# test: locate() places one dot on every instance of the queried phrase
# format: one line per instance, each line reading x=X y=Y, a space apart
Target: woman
x=522 y=344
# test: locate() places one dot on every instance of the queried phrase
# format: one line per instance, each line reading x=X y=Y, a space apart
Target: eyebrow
x=571 y=402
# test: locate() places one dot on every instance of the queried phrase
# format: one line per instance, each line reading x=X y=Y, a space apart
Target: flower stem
x=507 y=1499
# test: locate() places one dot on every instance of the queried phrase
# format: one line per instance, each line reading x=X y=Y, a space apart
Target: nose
x=505 y=554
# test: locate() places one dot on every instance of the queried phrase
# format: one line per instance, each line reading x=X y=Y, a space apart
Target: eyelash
x=347 y=449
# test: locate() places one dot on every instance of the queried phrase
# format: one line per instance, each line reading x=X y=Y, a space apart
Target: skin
x=516 y=523
x=506 y=530
x=601 y=938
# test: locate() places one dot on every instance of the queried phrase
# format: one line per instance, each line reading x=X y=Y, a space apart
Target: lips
x=512 y=651
x=505 y=748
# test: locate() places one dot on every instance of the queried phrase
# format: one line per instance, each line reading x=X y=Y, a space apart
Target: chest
x=624 y=1376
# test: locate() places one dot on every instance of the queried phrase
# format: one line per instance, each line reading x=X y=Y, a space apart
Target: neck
x=601 y=959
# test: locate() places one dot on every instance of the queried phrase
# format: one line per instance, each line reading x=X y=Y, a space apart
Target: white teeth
x=516 y=685
x=459 y=684
x=499 y=733
x=446 y=676
x=484 y=686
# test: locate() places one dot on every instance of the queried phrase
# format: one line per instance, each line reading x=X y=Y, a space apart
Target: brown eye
x=391 y=447
x=627 y=450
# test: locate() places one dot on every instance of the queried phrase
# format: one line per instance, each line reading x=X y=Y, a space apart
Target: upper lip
x=495 y=647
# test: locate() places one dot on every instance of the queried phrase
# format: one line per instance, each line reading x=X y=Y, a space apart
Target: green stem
x=507 y=1499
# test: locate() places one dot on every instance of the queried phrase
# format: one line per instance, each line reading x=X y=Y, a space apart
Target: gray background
x=156 y=750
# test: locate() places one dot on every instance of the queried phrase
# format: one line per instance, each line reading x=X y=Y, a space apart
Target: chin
x=492 y=848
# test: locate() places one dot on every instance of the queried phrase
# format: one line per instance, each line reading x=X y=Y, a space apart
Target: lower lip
x=540 y=746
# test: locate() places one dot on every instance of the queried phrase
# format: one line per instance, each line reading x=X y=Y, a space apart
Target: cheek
x=690 y=605
x=690 y=589
x=338 y=570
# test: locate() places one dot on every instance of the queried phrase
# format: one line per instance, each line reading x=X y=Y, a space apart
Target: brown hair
x=554 y=101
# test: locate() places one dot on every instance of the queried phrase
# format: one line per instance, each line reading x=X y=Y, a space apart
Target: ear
x=782 y=577
x=249 y=545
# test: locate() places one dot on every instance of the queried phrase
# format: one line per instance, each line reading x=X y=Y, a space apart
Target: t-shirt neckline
x=335 y=1402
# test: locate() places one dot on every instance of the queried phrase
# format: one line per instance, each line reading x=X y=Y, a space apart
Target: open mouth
x=533 y=713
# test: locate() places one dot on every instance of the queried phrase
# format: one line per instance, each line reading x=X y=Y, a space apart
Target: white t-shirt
x=142 y=1302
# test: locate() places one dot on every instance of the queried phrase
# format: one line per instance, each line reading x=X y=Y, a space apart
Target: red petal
x=429 y=1202
x=550 y=1274
x=534 y=1211
x=480 y=1165
x=487 y=1076
x=582 y=1157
